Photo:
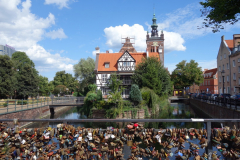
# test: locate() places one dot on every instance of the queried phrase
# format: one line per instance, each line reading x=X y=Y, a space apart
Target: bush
x=22 y=102
x=135 y=94
x=5 y=104
x=99 y=95
x=92 y=87
x=101 y=104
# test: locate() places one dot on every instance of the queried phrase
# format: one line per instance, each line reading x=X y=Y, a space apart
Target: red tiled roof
x=229 y=43
x=214 y=71
x=112 y=58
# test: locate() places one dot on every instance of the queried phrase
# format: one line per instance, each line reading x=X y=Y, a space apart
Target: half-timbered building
x=124 y=62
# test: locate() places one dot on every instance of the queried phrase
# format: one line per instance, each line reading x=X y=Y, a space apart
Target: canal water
x=175 y=111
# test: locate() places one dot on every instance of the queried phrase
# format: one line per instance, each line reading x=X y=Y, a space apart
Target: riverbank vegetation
x=151 y=86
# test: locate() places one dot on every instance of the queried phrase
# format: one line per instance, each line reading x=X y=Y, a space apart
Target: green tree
x=84 y=70
x=186 y=74
x=60 y=89
x=66 y=79
x=99 y=95
x=115 y=95
x=27 y=76
x=135 y=94
x=7 y=77
x=44 y=87
x=218 y=12
x=150 y=73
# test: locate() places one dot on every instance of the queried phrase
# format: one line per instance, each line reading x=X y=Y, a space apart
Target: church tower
x=155 y=43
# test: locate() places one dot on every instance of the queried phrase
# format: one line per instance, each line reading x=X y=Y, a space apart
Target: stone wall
x=35 y=113
x=98 y=114
x=215 y=111
x=129 y=115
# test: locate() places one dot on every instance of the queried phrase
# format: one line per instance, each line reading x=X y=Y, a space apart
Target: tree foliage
x=7 y=77
x=150 y=73
x=84 y=70
x=115 y=95
x=26 y=75
x=186 y=74
x=218 y=12
x=44 y=87
x=135 y=94
x=60 y=89
x=66 y=79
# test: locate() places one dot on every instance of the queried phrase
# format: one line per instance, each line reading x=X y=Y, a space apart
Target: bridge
x=176 y=98
x=16 y=105
x=72 y=101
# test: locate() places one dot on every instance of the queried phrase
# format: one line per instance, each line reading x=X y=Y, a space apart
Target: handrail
x=123 y=120
x=13 y=106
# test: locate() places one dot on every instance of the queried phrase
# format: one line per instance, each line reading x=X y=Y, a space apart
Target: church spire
x=154 y=27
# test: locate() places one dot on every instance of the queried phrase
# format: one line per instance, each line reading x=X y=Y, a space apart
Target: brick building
x=124 y=62
x=228 y=59
x=210 y=83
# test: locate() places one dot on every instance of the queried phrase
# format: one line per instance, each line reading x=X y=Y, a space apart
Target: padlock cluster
x=67 y=142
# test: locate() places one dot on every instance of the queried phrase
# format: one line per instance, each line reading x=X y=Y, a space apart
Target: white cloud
x=208 y=64
x=56 y=34
x=60 y=3
x=110 y=51
x=23 y=30
x=173 y=41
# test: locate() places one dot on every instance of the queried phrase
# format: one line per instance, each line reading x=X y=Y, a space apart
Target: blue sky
x=56 y=34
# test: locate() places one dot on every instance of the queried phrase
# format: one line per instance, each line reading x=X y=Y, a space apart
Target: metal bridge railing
x=14 y=105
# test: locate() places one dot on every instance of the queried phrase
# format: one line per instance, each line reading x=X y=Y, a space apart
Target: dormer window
x=106 y=64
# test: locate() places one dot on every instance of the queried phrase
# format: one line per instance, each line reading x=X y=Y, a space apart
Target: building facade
x=124 y=62
x=7 y=50
x=228 y=62
x=193 y=89
x=210 y=83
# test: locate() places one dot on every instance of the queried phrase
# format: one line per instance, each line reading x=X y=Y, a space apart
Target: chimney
x=107 y=51
x=223 y=39
x=97 y=50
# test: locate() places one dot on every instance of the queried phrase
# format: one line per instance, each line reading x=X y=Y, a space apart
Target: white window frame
x=227 y=66
x=224 y=55
x=107 y=65
x=234 y=89
x=104 y=78
x=234 y=76
x=238 y=59
x=209 y=82
x=234 y=63
x=228 y=89
x=238 y=69
x=219 y=68
x=221 y=57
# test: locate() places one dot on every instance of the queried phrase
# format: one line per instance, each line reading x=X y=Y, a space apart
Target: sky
x=56 y=34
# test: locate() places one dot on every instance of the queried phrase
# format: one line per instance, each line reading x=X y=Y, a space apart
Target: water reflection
x=173 y=111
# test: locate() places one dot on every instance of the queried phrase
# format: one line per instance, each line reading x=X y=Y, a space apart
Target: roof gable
x=126 y=57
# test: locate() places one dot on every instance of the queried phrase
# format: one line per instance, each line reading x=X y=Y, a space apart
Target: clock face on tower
x=155 y=43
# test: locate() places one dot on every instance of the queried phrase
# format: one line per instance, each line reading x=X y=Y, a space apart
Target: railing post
x=41 y=102
x=209 y=146
x=235 y=103
x=27 y=103
x=44 y=100
x=37 y=102
x=22 y=105
x=32 y=102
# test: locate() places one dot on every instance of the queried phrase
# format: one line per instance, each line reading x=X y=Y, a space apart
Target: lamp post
x=223 y=86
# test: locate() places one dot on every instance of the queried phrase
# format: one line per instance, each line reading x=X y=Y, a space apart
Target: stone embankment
x=35 y=113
